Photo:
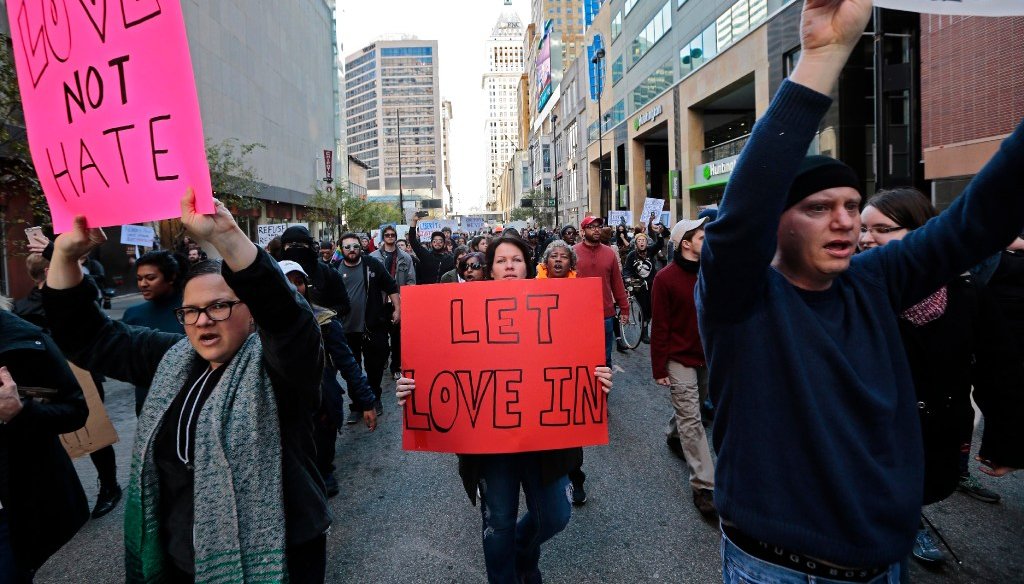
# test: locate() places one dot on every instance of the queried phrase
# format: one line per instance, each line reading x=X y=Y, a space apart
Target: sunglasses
x=390 y=235
x=473 y=266
x=352 y=246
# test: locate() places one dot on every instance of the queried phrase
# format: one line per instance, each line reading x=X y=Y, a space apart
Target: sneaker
x=379 y=408
x=106 y=501
x=969 y=484
x=704 y=501
x=925 y=549
x=673 y=444
x=579 y=494
x=621 y=347
x=354 y=417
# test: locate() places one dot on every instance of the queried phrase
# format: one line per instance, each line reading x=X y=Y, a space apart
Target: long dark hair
x=907 y=207
x=506 y=237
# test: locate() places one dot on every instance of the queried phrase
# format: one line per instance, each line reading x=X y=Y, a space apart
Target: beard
x=305 y=257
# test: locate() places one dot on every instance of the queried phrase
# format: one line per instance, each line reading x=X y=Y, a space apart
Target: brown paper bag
x=98 y=431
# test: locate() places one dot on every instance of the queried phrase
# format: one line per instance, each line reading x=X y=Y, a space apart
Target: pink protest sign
x=111 y=108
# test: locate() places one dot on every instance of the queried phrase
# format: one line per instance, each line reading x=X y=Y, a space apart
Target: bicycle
x=631 y=332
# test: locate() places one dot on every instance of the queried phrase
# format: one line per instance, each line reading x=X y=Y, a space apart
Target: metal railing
x=724 y=150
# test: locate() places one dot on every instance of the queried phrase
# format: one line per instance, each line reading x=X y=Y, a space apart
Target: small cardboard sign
x=616 y=218
x=265 y=233
x=473 y=224
x=98 y=431
x=504 y=366
x=652 y=208
x=137 y=235
x=110 y=107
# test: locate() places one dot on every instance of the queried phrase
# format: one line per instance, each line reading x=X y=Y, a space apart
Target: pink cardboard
x=110 y=107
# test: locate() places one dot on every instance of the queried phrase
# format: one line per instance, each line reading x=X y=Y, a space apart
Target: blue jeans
x=512 y=548
x=739 y=567
x=609 y=340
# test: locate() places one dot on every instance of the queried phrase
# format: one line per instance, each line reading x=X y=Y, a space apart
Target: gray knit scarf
x=239 y=532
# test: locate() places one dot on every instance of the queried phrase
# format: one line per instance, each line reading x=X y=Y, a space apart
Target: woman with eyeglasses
x=953 y=341
x=472 y=267
x=511 y=547
x=223 y=482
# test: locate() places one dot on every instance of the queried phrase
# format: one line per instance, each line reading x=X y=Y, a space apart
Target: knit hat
x=683 y=227
x=436 y=234
x=297 y=234
x=818 y=173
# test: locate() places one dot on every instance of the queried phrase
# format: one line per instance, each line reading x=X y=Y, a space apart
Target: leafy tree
x=357 y=214
x=17 y=174
x=234 y=180
x=541 y=214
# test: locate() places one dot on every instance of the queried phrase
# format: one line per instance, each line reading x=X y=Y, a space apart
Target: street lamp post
x=554 y=165
x=401 y=197
x=599 y=61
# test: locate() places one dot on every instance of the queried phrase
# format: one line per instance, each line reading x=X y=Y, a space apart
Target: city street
x=404 y=517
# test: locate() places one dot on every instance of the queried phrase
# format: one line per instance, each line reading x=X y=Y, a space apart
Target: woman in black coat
x=42 y=501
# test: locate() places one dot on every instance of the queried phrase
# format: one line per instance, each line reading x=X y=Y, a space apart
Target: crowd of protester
x=832 y=339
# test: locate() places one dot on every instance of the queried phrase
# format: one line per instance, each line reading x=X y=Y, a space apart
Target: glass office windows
x=617 y=25
x=617 y=70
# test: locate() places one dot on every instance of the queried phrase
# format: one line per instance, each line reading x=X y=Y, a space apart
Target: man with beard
x=433 y=263
x=375 y=307
x=326 y=288
x=599 y=261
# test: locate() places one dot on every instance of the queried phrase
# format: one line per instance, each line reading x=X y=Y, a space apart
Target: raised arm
x=414 y=241
x=740 y=244
x=85 y=335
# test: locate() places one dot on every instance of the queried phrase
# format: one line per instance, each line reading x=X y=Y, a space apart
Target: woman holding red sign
x=511 y=546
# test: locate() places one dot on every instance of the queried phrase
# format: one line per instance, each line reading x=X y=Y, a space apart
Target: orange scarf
x=542 y=272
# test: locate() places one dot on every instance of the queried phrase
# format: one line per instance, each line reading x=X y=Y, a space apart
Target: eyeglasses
x=473 y=266
x=352 y=246
x=594 y=226
x=390 y=235
x=216 y=312
x=880 y=229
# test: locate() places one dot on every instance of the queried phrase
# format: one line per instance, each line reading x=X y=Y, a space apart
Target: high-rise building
x=392 y=112
x=446 y=153
x=500 y=86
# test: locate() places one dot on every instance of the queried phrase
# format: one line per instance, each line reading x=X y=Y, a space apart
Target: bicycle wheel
x=632 y=330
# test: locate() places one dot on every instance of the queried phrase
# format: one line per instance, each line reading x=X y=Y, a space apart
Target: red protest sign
x=504 y=366
x=110 y=107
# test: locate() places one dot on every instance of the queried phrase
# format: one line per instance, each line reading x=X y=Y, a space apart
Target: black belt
x=784 y=558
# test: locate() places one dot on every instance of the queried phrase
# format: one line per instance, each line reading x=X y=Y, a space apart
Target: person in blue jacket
x=820 y=463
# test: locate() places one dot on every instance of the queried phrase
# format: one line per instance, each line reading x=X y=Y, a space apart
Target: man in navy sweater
x=820 y=460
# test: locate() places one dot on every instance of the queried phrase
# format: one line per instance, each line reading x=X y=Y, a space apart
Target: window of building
x=655 y=83
x=617 y=25
x=652 y=33
x=698 y=51
x=630 y=4
x=617 y=70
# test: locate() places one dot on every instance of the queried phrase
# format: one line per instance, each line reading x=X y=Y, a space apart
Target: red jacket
x=601 y=262
x=674 y=334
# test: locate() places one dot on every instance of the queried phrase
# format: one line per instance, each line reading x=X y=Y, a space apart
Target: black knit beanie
x=818 y=173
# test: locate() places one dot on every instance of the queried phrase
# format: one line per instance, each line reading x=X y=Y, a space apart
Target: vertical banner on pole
x=111 y=109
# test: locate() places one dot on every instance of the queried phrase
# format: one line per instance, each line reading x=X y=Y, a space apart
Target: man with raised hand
x=820 y=461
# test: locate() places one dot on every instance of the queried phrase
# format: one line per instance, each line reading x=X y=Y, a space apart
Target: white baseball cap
x=288 y=266
x=683 y=226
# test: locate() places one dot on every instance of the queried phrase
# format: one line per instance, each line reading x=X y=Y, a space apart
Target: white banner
x=425 y=228
x=265 y=233
x=137 y=235
x=616 y=218
x=964 y=7
x=473 y=224
x=652 y=208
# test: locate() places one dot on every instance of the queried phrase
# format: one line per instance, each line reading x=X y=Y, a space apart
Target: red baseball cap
x=589 y=220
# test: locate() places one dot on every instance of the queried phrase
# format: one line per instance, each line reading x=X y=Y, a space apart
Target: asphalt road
x=404 y=517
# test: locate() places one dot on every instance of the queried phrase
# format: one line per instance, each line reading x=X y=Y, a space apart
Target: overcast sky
x=461 y=30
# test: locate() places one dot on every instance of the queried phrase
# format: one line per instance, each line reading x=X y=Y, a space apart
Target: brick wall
x=972 y=78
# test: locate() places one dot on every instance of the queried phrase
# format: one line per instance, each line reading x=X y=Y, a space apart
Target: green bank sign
x=714 y=173
x=647 y=117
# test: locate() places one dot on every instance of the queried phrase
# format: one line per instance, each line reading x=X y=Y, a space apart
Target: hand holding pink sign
x=110 y=107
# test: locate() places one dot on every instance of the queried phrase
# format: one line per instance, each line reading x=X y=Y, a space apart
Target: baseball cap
x=589 y=220
x=683 y=226
x=288 y=266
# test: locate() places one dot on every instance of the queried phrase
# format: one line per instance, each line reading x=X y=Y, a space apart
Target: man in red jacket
x=599 y=261
x=677 y=357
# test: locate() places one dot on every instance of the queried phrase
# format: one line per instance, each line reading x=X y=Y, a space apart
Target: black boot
x=645 y=337
x=107 y=500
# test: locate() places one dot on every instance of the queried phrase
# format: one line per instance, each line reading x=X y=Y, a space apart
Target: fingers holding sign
x=404 y=389
x=604 y=377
